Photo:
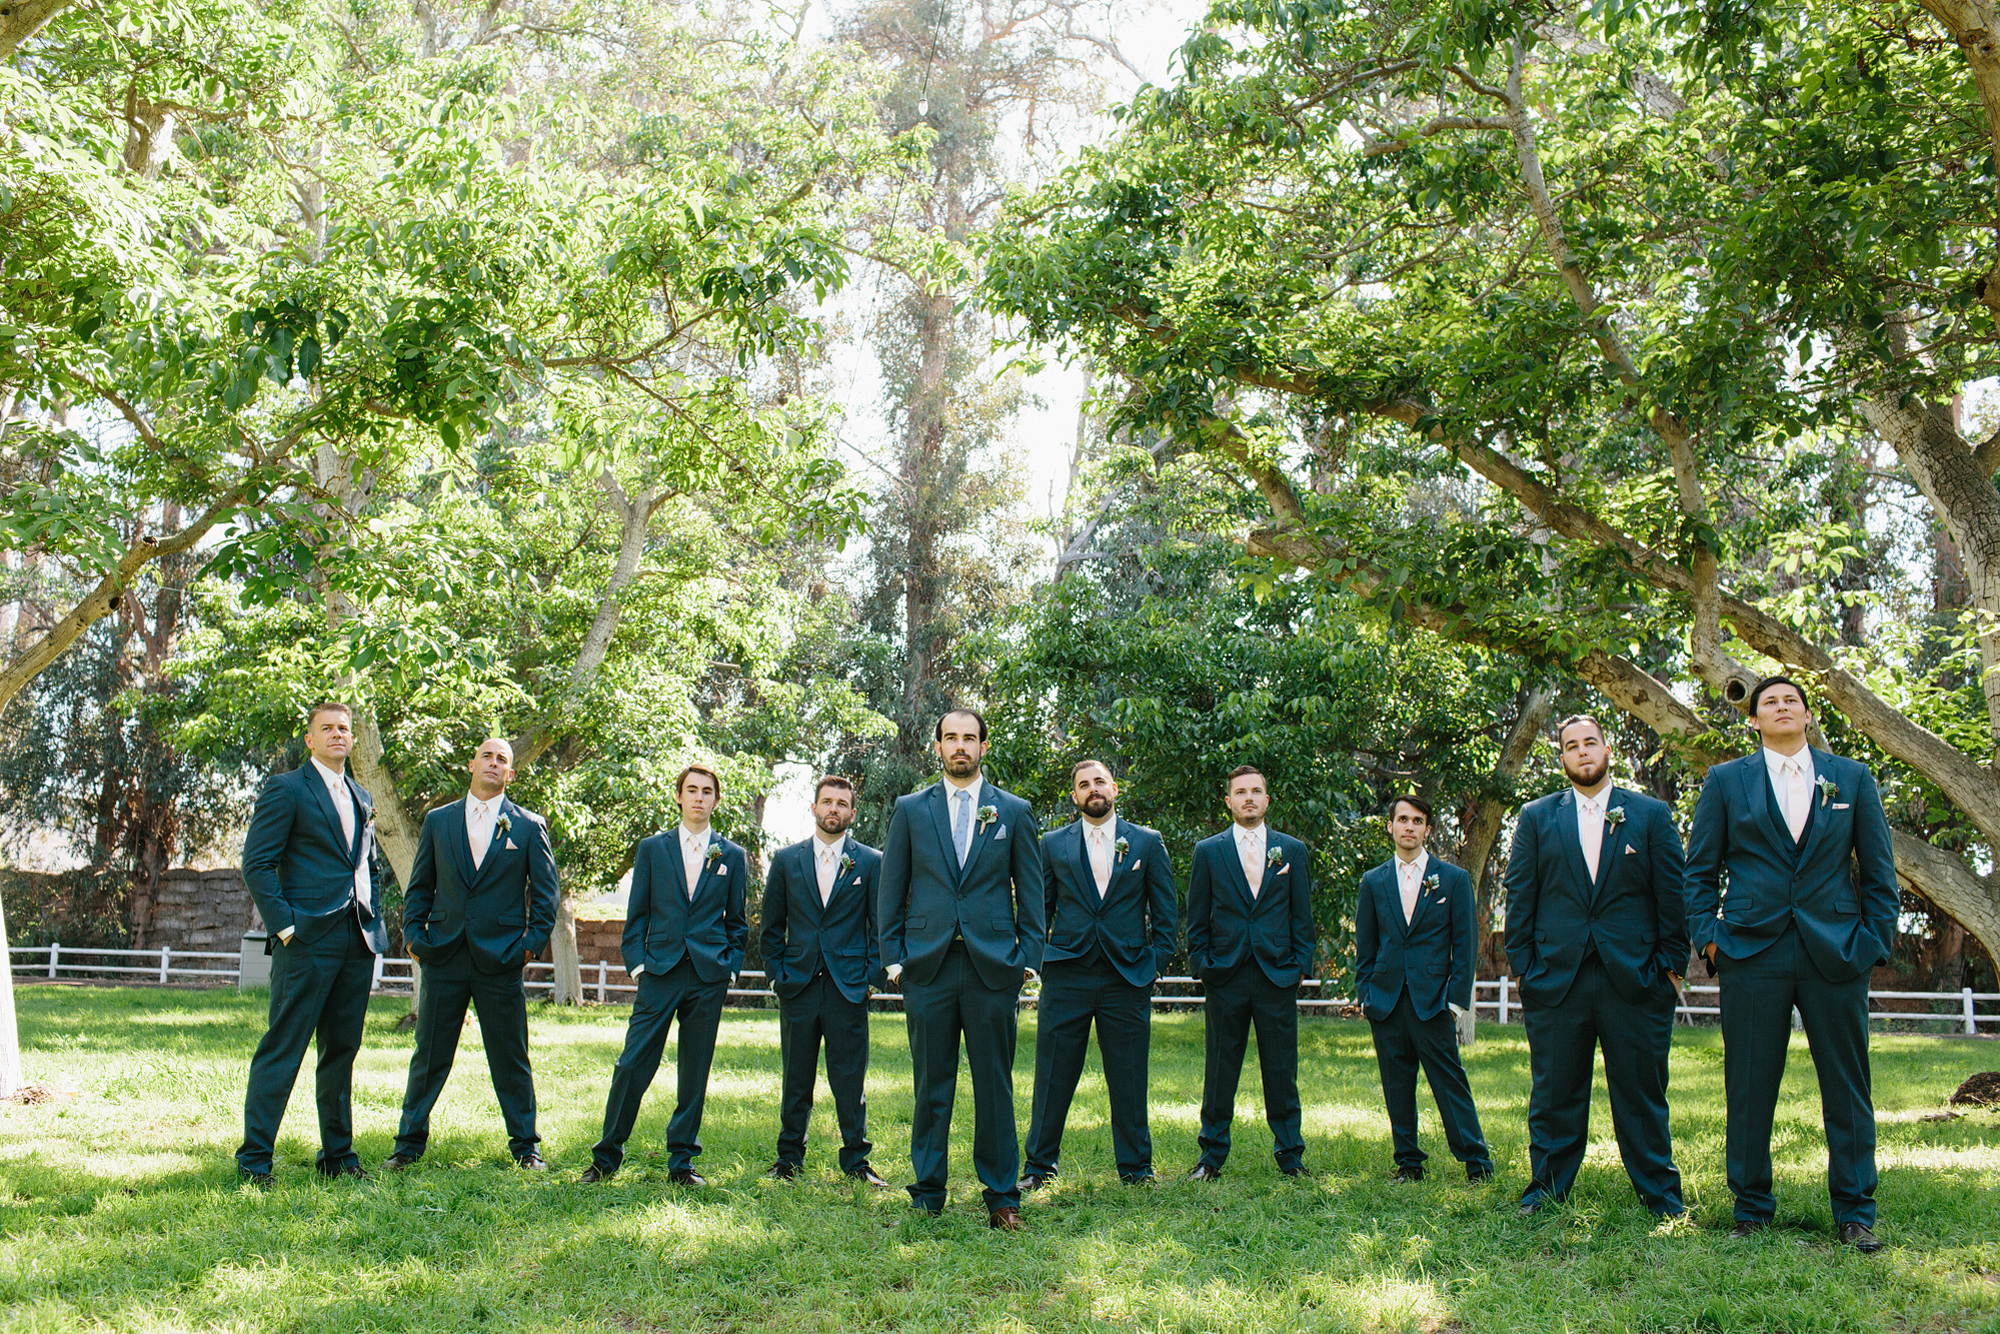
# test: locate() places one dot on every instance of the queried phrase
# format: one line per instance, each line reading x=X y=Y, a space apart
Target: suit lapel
x=1611 y=844
x=317 y=785
x=1814 y=824
x=707 y=866
x=1078 y=853
x=1756 y=780
x=1389 y=893
x=981 y=833
x=939 y=800
x=1233 y=854
x=1572 y=845
x=1118 y=860
x=461 y=842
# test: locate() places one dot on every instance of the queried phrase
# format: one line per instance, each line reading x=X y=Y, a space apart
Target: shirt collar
x=331 y=777
x=1776 y=763
x=1109 y=822
x=1583 y=799
x=821 y=847
x=1414 y=866
x=473 y=799
x=688 y=835
x=1251 y=835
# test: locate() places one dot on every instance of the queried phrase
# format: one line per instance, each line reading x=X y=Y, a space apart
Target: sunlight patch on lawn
x=690 y=1231
x=1336 y=1118
x=1942 y=1158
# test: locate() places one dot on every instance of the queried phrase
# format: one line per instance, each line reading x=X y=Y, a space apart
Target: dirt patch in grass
x=1982 y=1090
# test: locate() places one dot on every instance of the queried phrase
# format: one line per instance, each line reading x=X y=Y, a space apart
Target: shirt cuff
x=640 y=969
x=286 y=934
x=1456 y=1009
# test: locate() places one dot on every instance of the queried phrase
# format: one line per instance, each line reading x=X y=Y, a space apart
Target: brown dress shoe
x=1860 y=1237
x=1007 y=1220
x=1745 y=1227
x=592 y=1175
x=687 y=1176
x=396 y=1162
x=868 y=1174
x=1203 y=1172
x=532 y=1162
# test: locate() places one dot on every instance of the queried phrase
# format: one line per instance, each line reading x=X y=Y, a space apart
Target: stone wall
x=202 y=911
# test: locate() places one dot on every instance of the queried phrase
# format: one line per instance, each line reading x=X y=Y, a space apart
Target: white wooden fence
x=605 y=982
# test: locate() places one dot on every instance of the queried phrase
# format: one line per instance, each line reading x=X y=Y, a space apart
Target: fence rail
x=1499 y=998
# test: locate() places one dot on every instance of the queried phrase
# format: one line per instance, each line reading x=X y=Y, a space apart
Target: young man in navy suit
x=685 y=931
x=1792 y=899
x=1414 y=951
x=480 y=905
x=1597 y=935
x=1250 y=941
x=820 y=950
x=309 y=864
x=959 y=906
x=1109 y=896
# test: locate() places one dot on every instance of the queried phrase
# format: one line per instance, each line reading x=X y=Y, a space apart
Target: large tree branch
x=22 y=19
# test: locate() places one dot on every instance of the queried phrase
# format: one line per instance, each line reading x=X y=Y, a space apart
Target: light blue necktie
x=961 y=826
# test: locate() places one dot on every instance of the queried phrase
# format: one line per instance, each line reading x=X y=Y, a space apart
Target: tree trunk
x=1482 y=830
x=22 y=19
x=10 y=1033
x=568 y=959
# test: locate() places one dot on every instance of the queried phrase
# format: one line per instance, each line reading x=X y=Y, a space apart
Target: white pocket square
x=1629 y=849
x=1136 y=865
x=1286 y=869
x=510 y=843
x=1842 y=805
x=1000 y=833
x=720 y=869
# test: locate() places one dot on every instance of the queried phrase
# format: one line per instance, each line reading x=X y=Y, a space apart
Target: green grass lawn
x=119 y=1208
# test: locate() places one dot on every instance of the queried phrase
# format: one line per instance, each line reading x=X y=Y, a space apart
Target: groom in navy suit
x=685 y=931
x=1792 y=899
x=1414 y=952
x=959 y=906
x=1250 y=941
x=821 y=953
x=1597 y=935
x=1112 y=923
x=309 y=864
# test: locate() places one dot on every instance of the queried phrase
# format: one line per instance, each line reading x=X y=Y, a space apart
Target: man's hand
x=893 y=972
x=1709 y=950
x=1680 y=983
x=527 y=957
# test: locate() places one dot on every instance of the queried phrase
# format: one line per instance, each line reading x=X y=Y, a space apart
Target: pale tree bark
x=10 y=1031
x=1975 y=26
x=1482 y=829
x=22 y=19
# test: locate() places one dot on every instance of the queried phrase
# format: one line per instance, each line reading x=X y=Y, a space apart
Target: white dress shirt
x=968 y=793
x=693 y=847
x=1410 y=882
x=479 y=818
x=1792 y=779
x=826 y=862
x=1097 y=844
x=1250 y=847
x=1590 y=826
x=344 y=807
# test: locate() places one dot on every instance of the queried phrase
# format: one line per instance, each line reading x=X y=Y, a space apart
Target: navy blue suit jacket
x=1226 y=927
x=1747 y=883
x=298 y=868
x=1136 y=923
x=800 y=935
x=1431 y=956
x=507 y=905
x=924 y=899
x=1635 y=911
x=662 y=926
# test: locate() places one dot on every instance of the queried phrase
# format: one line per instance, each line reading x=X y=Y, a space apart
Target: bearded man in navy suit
x=685 y=930
x=1250 y=941
x=309 y=864
x=1414 y=952
x=959 y=906
x=481 y=903
x=1597 y=935
x=820 y=949
x=1109 y=896
x=1792 y=899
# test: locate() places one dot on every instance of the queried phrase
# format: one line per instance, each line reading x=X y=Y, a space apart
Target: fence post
x=165 y=951
x=55 y=953
x=602 y=971
x=376 y=985
x=1971 y=1023
x=1503 y=998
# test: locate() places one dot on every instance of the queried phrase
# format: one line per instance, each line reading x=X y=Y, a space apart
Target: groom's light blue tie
x=961 y=825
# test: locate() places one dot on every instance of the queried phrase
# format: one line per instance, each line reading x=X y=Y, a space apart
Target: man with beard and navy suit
x=309 y=864
x=1414 y=951
x=685 y=930
x=1250 y=941
x=822 y=956
x=1792 y=899
x=480 y=905
x=959 y=906
x=1597 y=935
x=1109 y=898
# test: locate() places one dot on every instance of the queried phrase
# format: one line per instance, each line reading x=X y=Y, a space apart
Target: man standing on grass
x=480 y=905
x=1792 y=899
x=309 y=864
x=1109 y=897
x=1250 y=941
x=1597 y=935
x=822 y=955
x=1414 y=951
x=959 y=906
x=685 y=930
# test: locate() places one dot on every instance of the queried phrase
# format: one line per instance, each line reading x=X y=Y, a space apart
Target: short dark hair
x=826 y=781
x=326 y=706
x=1081 y=765
x=974 y=714
x=1757 y=691
x=713 y=777
x=1238 y=772
x=1572 y=721
x=1414 y=801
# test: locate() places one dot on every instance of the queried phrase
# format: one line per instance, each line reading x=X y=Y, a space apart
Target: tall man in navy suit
x=1109 y=895
x=821 y=952
x=685 y=930
x=309 y=863
x=480 y=904
x=959 y=906
x=1597 y=935
x=1415 y=945
x=1250 y=941
x=1792 y=899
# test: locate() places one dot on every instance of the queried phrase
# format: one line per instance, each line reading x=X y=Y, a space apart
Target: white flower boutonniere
x=846 y=863
x=1430 y=885
x=986 y=816
x=714 y=853
x=1274 y=856
x=1828 y=790
x=1121 y=847
x=1614 y=816
x=502 y=825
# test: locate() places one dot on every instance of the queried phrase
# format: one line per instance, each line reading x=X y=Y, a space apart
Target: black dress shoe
x=1407 y=1174
x=869 y=1175
x=354 y=1170
x=927 y=1210
x=594 y=1174
x=1529 y=1208
x=1860 y=1237
x=1032 y=1182
x=1478 y=1176
x=781 y=1171
x=396 y=1162
x=532 y=1162
x=1203 y=1172
x=687 y=1176
x=1298 y=1172
x=1138 y=1179
x=254 y=1180
x=1747 y=1227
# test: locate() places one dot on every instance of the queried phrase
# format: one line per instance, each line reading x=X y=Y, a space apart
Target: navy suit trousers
x=1232 y=1006
x=957 y=1004
x=450 y=984
x=319 y=993
x=1404 y=1042
x=1076 y=992
x=678 y=995
x=818 y=1012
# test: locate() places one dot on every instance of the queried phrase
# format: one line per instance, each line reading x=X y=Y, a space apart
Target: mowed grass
x=119 y=1208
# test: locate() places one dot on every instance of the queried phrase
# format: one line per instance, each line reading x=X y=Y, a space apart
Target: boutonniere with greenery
x=1828 y=790
x=846 y=863
x=1430 y=885
x=502 y=825
x=1614 y=816
x=714 y=852
x=1121 y=847
x=986 y=816
x=368 y=818
x=1274 y=856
